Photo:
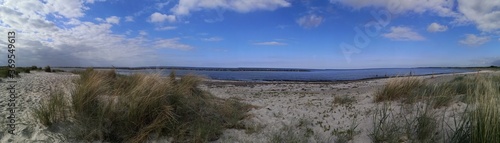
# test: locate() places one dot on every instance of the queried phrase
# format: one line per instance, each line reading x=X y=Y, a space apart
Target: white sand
x=288 y=103
x=30 y=88
x=279 y=104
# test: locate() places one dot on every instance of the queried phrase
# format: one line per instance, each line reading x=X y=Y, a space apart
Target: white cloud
x=143 y=33
x=184 y=7
x=473 y=40
x=66 y=8
x=400 y=33
x=86 y=44
x=113 y=20
x=82 y=43
x=158 y=17
x=73 y=21
x=171 y=44
x=129 y=18
x=441 y=7
x=24 y=18
x=99 y=19
x=166 y=28
x=212 y=39
x=485 y=14
x=436 y=27
x=271 y=43
x=310 y=21
x=92 y=1
x=162 y=4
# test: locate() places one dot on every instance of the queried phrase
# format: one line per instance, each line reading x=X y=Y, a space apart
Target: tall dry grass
x=399 y=87
x=116 y=108
x=478 y=123
x=53 y=109
x=484 y=116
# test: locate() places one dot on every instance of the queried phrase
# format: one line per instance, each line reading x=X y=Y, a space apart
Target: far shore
x=475 y=69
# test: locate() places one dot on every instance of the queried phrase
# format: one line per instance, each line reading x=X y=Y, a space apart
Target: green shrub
x=4 y=72
x=47 y=69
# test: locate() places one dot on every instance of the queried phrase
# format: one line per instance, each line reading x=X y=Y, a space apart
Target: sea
x=312 y=75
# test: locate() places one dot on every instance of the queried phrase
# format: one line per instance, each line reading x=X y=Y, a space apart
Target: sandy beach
x=308 y=107
x=30 y=89
x=287 y=104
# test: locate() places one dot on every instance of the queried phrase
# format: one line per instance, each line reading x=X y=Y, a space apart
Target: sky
x=319 y=34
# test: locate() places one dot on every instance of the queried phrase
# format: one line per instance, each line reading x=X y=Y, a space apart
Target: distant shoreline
x=215 y=81
x=267 y=69
x=310 y=80
x=200 y=68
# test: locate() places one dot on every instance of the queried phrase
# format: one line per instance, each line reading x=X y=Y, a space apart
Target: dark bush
x=47 y=69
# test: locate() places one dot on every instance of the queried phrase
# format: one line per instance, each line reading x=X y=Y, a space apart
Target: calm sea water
x=310 y=75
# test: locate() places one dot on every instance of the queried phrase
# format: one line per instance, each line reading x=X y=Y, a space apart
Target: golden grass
x=52 y=110
x=116 y=108
x=479 y=123
x=485 y=118
x=397 y=88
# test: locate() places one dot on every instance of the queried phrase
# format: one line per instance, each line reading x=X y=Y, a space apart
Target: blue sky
x=324 y=34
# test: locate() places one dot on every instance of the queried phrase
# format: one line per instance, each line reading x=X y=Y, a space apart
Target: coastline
x=239 y=82
x=278 y=105
x=289 y=104
x=295 y=75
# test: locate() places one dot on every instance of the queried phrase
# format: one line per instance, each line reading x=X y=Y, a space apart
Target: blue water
x=310 y=75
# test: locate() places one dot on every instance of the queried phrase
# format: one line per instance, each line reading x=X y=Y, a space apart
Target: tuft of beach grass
x=109 y=107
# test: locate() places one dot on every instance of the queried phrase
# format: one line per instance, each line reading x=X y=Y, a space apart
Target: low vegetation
x=399 y=87
x=52 y=110
x=4 y=71
x=47 y=69
x=109 y=107
x=296 y=132
x=344 y=100
x=417 y=121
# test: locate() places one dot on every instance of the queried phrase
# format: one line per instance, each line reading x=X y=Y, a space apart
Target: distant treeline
x=479 y=68
x=201 y=68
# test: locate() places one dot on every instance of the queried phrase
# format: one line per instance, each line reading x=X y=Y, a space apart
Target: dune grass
x=478 y=123
x=399 y=87
x=482 y=121
x=344 y=100
x=53 y=109
x=295 y=132
x=136 y=108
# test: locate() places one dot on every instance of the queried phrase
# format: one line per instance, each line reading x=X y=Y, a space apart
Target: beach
x=309 y=108
x=283 y=104
x=30 y=89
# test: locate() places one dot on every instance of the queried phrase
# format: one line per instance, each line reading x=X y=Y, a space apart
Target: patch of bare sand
x=283 y=104
x=30 y=89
